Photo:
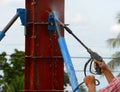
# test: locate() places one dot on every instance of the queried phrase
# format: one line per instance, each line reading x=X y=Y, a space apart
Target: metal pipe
x=66 y=57
x=2 y=33
x=10 y=23
x=70 y=31
x=68 y=64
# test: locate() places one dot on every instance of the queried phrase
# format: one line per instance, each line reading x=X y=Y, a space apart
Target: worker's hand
x=102 y=65
x=89 y=81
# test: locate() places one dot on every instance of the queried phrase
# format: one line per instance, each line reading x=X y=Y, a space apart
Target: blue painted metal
x=68 y=63
x=51 y=22
x=22 y=13
x=2 y=34
x=53 y=25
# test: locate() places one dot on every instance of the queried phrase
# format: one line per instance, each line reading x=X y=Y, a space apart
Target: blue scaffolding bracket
x=51 y=22
x=22 y=13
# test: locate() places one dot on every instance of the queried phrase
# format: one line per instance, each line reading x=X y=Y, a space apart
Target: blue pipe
x=2 y=34
x=68 y=63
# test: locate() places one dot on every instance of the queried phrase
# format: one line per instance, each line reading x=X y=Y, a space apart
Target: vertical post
x=44 y=66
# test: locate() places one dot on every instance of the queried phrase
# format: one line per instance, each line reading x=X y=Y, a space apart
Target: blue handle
x=2 y=34
x=68 y=63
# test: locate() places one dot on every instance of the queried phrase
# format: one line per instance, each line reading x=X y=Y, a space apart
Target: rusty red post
x=44 y=66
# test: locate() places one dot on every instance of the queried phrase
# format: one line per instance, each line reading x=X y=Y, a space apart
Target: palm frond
x=115 y=62
x=114 y=42
x=118 y=36
x=118 y=17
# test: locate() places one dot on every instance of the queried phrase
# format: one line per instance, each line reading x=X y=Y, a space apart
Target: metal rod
x=70 y=31
x=10 y=23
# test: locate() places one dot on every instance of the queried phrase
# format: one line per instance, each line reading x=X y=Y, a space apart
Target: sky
x=92 y=21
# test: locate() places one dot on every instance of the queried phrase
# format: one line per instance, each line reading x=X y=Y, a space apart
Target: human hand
x=89 y=80
x=102 y=65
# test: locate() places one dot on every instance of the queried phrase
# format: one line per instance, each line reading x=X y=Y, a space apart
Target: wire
x=73 y=57
x=84 y=74
x=85 y=67
x=78 y=86
x=88 y=71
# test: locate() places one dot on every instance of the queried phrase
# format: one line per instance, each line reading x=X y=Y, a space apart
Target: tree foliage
x=114 y=63
x=83 y=89
x=118 y=17
x=12 y=68
x=115 y=43
x=66 y=79
x=13 y=71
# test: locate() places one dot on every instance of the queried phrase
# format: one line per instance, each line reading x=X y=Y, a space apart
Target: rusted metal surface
x=43 y=62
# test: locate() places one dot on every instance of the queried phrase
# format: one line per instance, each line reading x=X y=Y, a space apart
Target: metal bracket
x=51 y=22
x=22 y=13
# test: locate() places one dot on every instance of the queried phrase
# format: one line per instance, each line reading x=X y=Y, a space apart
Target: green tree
x=13 y=71
x=66 y=79
x=115 y=43
x=12 y=79
x=16 y=85
x=3 y=66
x=83 y=89
x=118 y=17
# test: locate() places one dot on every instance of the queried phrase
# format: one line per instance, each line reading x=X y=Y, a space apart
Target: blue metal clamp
x=22 y=13
x=51 y=22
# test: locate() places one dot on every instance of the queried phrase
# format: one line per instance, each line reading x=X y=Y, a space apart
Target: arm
x=108 y=74
x=90 y=83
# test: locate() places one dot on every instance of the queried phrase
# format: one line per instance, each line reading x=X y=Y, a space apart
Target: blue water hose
x=68 y=63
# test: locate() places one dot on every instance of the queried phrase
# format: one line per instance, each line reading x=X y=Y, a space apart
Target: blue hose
x=68 y=63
